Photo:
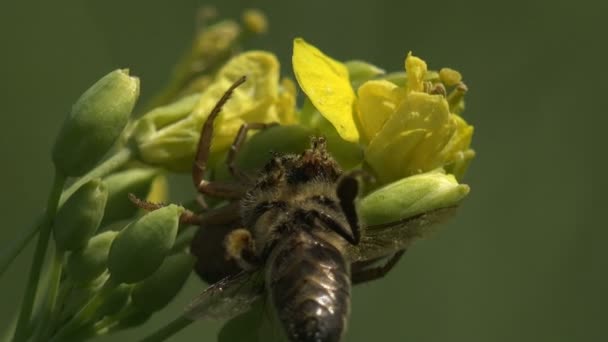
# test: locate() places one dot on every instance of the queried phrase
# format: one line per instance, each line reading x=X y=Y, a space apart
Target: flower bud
x=80 y=216
x=140 y=248
x=133 y=318
x=95 y=122
x=120 y=184
x=360 y=71
x=170 y=139
x=255 y=21
x=255 y=153
x=411 y=196
x=87 y=264
x=156 y=291
x=114 y=301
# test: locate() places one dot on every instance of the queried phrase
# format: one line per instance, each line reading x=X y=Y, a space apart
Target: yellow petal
x=456 y=153
x=415 y=69
x=327 y=85
x=286 y=103
x=173 y=144
x=410 y=140
x=377 y=101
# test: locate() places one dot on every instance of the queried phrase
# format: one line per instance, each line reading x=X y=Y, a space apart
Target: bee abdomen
x=309 y=282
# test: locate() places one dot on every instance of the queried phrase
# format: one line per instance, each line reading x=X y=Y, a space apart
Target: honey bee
x=298 y=241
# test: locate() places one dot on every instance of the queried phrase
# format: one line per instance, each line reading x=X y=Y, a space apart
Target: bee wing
x=378 y=241
x=228 y=297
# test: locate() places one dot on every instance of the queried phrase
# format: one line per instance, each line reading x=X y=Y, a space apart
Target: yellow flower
x=405 y=130
x=167 y=136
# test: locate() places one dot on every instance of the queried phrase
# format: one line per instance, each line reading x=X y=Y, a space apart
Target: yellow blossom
x=168 y=136
x=405 y=129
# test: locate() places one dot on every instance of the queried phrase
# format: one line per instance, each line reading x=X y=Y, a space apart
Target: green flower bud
x=80 y=216
x=133 y=318
x=155 y=292
x=115 y=301
x=360 y=71
x=411 y=196
x=140 y=248
x=135 y=181
x=95 y=122
x=80 y=294
x=90 y=262
x=255 y=152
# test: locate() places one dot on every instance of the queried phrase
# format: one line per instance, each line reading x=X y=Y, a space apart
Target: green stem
x=21 y=332
x=168 y=330
x=10 y=252
x=119 y=159
x=86 y=313
x=50 y=316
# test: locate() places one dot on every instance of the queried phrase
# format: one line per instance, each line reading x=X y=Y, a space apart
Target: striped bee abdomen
x=309 y=283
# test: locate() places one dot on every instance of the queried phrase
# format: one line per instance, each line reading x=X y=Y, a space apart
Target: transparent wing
x=382 y=240
x=228 y=297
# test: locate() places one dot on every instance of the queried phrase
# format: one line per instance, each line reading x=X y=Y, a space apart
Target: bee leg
x=369 y=274
x=240 y=247
x=236 y=146
x=202 y=153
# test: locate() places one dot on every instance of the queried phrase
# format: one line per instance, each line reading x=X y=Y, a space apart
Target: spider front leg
x=240 y=138
x=216 y=189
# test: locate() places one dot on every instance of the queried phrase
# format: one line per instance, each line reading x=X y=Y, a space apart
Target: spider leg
x=221 y=215
x=373 y=273
x=202 y=154
x=240 y=138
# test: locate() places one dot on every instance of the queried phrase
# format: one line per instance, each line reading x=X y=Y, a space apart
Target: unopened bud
x=411 y=196
x=90 y=262
x=360 y=71
x=256 y=152
x=115 y=300
x=135 y=181
x=80 y=216
x=156 y=291
x=95 y=122
x=140 y=248
x=255 y=21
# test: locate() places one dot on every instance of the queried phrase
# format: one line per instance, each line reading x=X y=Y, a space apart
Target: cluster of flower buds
x=120 y=265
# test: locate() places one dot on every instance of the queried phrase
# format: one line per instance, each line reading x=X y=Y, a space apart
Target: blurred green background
x=525 y=259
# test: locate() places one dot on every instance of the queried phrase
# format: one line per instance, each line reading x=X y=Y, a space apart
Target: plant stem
x=10 y=252
x=86 y=313
x=49 y=314
x=168 y=330
x=21 y=332
x=119 y=159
